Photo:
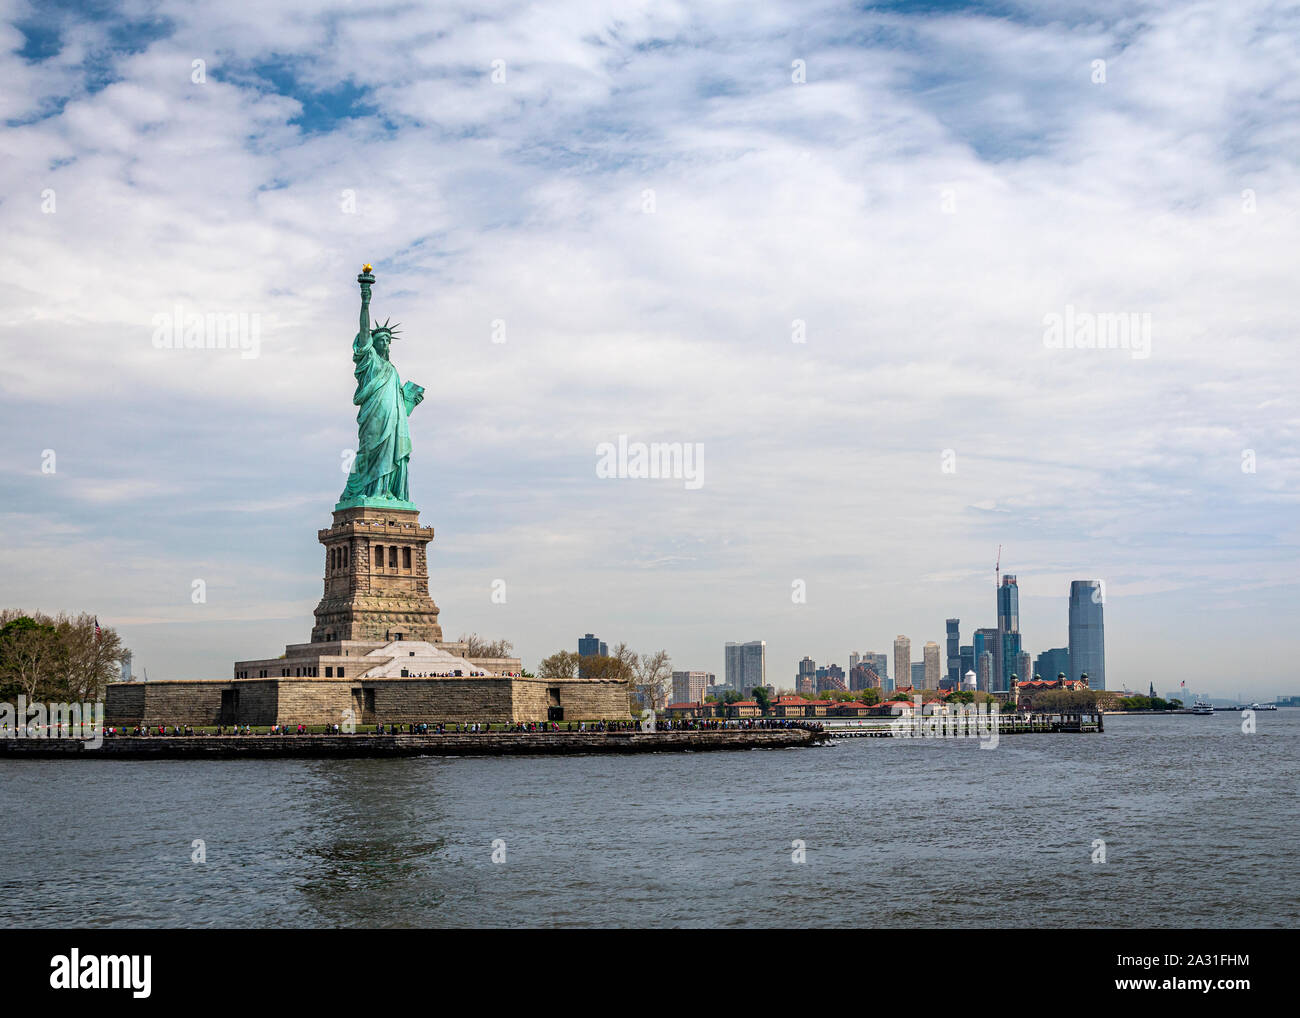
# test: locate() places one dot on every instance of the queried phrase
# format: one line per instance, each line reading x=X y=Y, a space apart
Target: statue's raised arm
x=366 y=279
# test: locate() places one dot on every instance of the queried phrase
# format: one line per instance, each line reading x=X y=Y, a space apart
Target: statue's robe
x=383 y=434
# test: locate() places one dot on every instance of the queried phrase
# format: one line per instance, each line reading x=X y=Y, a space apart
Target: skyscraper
x=589 y=646
x=1087 y=633
x=902 y=661
x=879 y=663
x=746 y=666
x=806 y=680
x=985 y=673
x=967 y=660
x=930 y=658
x=1051 y=663
x=986 y=641
x=1022 y=667
x=689 y=687
x=954 y=653
x=1006 y=650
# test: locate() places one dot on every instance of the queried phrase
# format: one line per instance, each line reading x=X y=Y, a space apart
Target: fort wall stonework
x=450 y=700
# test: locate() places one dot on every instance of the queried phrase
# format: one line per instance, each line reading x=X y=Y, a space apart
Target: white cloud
x=773 y=201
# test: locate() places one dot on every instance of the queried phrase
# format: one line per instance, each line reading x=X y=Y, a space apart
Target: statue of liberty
x=379 y=472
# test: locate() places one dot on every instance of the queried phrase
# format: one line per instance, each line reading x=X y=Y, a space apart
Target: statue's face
x=382 y=341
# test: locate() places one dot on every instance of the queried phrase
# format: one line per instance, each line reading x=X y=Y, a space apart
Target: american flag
x=97 y=632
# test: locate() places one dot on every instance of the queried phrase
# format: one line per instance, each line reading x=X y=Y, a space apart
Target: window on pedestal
x=406 y=558
x=379 y=556
x=392 y=556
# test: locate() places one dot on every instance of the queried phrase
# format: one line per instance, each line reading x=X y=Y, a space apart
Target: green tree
x=57 y=658
x=761 y=697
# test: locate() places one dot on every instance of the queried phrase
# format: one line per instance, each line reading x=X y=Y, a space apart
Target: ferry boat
x=1201 y=707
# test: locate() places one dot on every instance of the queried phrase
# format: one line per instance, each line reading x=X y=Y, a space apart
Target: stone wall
x=579 y=699
x=294 y=701
x=175 y=702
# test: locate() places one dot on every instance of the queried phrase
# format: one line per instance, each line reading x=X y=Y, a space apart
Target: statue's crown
x=392 y=330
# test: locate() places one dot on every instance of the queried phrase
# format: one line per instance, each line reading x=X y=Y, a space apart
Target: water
x=1199 y=821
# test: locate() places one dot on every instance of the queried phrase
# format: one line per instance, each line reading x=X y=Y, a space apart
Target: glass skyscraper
x=1007 y=648
x=954 y=653
x=1052 y=662
x=1087 y=633
x=746 y=666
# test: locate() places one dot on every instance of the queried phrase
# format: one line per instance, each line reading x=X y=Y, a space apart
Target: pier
x=922 y=728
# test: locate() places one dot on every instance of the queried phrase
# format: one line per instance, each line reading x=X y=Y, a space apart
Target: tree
x=477 y=646
x=653 y=673
x=30 y=655
x=563 y=664
x=91 y=660
x=57 y=659
x=764 y=702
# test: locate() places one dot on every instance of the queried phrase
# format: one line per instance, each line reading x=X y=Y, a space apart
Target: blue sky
x=944 y=178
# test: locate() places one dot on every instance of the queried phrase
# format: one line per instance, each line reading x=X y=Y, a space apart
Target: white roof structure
x=416 y=658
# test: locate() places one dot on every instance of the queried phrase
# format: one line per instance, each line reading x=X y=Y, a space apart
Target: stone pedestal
x=376 y=578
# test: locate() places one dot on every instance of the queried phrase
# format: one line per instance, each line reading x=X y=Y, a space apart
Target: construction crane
x=997 y=569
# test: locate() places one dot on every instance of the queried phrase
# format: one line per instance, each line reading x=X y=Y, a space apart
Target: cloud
x=938 y=185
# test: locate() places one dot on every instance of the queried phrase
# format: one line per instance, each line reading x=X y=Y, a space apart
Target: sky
x=829 y=244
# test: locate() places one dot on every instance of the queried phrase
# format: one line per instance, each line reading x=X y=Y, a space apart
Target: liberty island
x=376 y=655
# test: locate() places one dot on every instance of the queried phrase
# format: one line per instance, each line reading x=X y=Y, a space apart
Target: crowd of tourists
x=734 y=724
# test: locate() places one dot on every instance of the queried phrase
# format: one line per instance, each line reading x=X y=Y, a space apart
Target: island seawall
x=199 y=747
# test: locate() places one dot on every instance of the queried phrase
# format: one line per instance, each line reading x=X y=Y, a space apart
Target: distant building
x=969 y=681
x=878 y=663
x=830 y=677
x=902 y=660
x=864 y=677
x=967 y=660
x=1051 y=663
x=954 y=653
x=985 y=672
x=918 y=674
x=1087 y=633
x=855 y=658
x=807 y=675
x=986 y=642
x=746 y=666
x=689 y=687
x=1007 y=648
x=930 y=665
x=589 y=646
x=1022 y=666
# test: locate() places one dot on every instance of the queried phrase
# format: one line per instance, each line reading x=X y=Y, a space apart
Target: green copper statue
x=379 y=472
